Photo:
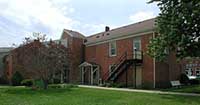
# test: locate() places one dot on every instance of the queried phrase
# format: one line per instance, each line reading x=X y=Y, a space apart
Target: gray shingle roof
x=144 y=26
x=74 y=33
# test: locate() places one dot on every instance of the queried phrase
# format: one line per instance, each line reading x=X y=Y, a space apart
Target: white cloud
x=19 y=18
x=33 y=15
x=53 y=14
x=91 y=28
x=142 y=15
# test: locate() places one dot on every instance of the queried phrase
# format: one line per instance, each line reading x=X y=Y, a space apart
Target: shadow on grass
x=185 y=89
x=29 y=91
x=182 y=99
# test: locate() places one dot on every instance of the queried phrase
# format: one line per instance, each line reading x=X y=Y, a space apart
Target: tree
x=17 y=78
x=59 y=57
x=41 y=59
x=178 y=26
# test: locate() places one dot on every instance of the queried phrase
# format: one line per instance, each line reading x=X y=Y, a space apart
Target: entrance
x=139 y=77
x=89 y=73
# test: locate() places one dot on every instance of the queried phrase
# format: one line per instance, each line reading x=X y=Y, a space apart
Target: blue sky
x=19 y=18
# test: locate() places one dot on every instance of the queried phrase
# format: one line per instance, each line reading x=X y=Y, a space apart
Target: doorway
x=139 y=77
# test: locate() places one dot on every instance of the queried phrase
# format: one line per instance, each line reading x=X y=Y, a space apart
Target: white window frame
x=138 y=40
x=138 y=51
x=64 y=42
x=110 y=49
x=189 y=71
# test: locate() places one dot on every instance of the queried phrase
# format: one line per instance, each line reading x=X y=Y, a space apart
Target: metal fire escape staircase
x=122 y=65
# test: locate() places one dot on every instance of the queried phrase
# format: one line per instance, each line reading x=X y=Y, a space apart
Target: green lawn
x=85 y=96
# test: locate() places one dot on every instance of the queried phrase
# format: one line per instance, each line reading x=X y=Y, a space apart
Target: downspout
x=154 y=68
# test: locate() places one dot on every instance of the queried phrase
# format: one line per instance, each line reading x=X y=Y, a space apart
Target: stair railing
x=117 y=64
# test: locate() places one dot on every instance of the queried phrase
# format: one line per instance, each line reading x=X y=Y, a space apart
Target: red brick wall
x=76 y=48
x=148 y=65
x=100 y=54
x=77 y=53
x=16 y=61
x=9 y=68
x=162 y=75
x=167 y=71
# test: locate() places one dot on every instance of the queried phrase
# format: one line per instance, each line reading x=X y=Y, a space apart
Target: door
x=86 y=76
x=139 y=77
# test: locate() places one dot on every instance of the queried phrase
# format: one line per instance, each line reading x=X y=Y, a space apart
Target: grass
x=186 y=89
x=85 y=96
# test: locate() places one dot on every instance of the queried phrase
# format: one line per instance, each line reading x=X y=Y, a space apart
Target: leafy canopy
x=178 y=26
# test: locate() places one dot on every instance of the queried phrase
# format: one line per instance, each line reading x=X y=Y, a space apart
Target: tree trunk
x=52 y=80
x=61 y=78
x=45 y=84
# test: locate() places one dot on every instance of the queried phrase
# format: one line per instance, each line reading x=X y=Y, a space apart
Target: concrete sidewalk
x=140 y=91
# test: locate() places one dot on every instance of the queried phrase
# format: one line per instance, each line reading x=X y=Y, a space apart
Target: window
x=112 y=49
x=137 y=47
x=189 y=71
x=137 y=44
x=64 y=42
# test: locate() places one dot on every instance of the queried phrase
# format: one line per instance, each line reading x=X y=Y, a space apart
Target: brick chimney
x=107 y=28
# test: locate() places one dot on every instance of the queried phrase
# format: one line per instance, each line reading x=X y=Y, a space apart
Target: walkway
x=141 y=91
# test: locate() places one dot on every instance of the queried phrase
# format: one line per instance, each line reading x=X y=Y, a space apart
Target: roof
x=5 y=49
x=136 y=28
x=74 y=33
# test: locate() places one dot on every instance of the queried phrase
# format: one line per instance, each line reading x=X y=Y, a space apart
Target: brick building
x=4 y=51
x=119 y=56
x=74 y=42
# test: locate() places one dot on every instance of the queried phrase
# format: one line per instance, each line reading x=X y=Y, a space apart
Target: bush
x=3 y=80
x=65 y=86
x=114 y=85
x=118 y=85
x=55 y=86
x=38 y=84
x=56 y=81
x=194 y=82
x=68 y=86
x=184 y=79
x=27 y=82
x=16 y=79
